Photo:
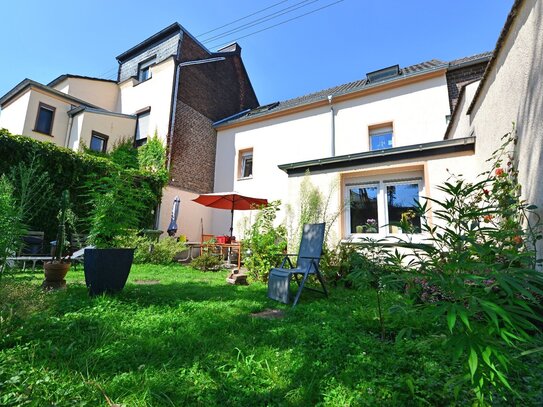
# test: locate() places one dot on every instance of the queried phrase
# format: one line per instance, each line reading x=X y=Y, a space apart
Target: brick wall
x=193 y=151
x=207 y=93
x=217 y=89
x=458 y=77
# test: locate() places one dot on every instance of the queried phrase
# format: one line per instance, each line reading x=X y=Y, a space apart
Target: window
x=144 y=69
x=383 y=206
x=44 y=119
x=98 y=142
x=246 y=164
x=380 y=137
x=142 y=127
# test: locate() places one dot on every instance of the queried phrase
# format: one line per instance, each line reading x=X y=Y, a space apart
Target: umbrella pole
x=232 y=222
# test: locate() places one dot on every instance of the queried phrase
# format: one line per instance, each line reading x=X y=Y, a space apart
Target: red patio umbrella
x=232 y=201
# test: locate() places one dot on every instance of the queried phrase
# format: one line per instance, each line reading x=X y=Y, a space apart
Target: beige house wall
x=155 y=93
x=115 y=127
x=60 y=119
x=192 y=216
x=99 y=93
x=13 y=116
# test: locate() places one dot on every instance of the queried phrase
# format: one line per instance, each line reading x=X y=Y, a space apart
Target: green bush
x=478 y=278
x=264 y=243
x=206 y=261
x=149 y=250
x=11 y=228
x=70 y=170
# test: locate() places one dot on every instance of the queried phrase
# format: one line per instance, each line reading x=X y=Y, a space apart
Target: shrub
x=206 y=261
x=69 y=170
x=11 y=228
x=149 y=250
x=264 y=243
x=479 y=275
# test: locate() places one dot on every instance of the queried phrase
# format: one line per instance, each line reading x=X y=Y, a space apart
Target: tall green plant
x=152 y=156
x=313 y=206
x=65 y=218
x=119 y=204
x=31 y=188
x=265 y=242
x=479 y=275
x=11 y=227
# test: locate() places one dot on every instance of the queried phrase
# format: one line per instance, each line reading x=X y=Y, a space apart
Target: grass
x=191 y=340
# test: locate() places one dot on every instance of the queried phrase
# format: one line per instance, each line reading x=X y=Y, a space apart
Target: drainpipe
x=172 y=119
x=69 y=132
x=332 y=127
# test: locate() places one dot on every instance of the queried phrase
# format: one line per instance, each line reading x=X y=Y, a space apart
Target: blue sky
x=334 y=45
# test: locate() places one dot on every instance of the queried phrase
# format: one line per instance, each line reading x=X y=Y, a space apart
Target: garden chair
x=307 y=264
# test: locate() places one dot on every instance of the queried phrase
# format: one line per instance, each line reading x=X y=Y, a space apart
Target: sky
x=325 y=43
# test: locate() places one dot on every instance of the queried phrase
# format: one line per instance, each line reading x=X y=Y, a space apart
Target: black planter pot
x=106 y=270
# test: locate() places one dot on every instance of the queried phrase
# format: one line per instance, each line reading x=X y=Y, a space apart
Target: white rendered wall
x=155 y=92
x=417 y=112
x=513 y=93
x=13 y=116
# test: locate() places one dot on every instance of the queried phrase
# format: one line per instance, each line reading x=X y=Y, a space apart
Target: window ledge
x=404 y=239
x=245 y=178
x=41 y=132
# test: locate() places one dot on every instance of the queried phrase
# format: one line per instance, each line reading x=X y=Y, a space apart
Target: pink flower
x=487 y=218
x=499 y=172
x=517 y=240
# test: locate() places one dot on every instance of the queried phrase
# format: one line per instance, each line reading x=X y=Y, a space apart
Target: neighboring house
x=510 y=92
x=169 y=84
x=377 y=143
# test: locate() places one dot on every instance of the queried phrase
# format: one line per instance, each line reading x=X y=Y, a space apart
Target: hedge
x=70 y=170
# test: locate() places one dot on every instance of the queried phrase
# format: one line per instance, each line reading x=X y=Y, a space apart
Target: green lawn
x=191 y=340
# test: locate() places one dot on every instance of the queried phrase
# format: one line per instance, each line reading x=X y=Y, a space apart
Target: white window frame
x=244 y=156
x=146 y=65
x=381 y=182
x=379 y=131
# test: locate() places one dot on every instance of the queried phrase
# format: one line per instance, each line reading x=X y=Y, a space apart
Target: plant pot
x=106 y=270
x=55 y=271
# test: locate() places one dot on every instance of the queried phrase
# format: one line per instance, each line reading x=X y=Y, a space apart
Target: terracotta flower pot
x=55 y=271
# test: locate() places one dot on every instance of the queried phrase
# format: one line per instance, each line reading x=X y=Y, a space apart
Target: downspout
x=69 y=133
x=332 y=127
x=172 y=118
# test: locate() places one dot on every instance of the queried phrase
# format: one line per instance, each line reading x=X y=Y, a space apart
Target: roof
x=76 y=110
x=170 y=30
x=499 y=44
x=335 y=91
x=29 y=83
x=416 y=151
x=62 y=77
x=471 y=60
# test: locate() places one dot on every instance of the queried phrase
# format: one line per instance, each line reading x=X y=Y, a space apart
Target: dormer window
x=144 y=70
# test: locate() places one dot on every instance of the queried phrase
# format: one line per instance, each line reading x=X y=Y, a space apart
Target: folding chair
x=307 y=264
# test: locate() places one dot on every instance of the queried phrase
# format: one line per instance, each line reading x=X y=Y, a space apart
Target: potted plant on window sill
x=56 y=269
